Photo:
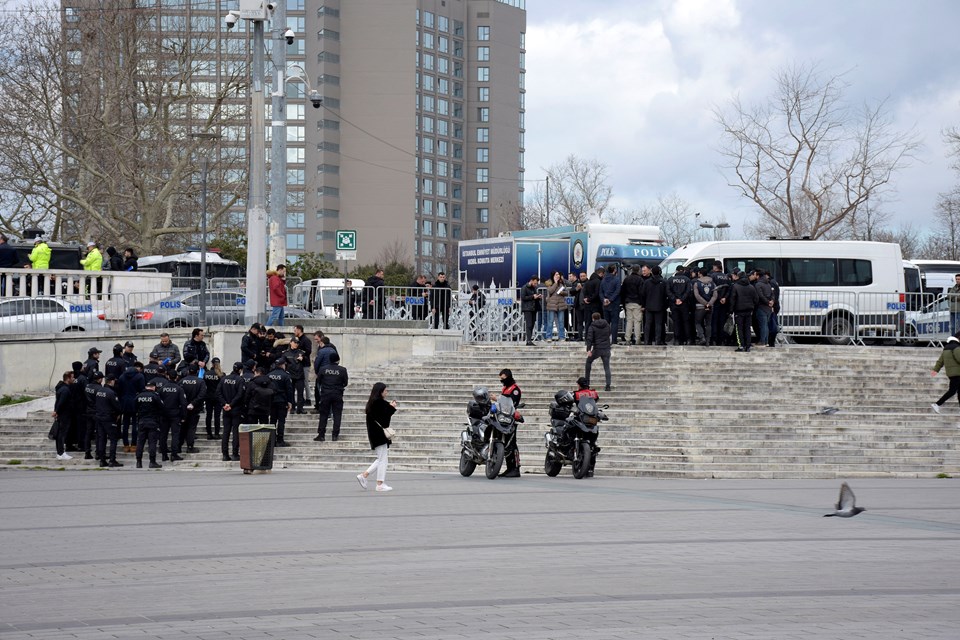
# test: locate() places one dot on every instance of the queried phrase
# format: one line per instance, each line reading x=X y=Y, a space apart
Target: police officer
x=93 y=361
x=231 y=393
x=174 y=407
x=149 y=418
x=194 y=390
x=332 y=382
x=282 y=398
x=78 y=412
x=679 y=291
x=107 y=411
x=721 y=310
x=211 y=404
x=511 y=453
x=115 y=365
x=584 y=391
x=90 y=413
x=295 y=359
x=195 y=349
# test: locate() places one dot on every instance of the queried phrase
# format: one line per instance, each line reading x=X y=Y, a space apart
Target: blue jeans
x=954 y=322
x=611 y=313
x=276 y=316
x=554 y=316
x=763 y=320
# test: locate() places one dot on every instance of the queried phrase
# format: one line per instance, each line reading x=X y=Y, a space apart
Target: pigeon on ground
x=847 y=506
x=828 y=411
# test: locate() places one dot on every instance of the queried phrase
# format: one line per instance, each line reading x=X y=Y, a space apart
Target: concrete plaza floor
x=218 y=555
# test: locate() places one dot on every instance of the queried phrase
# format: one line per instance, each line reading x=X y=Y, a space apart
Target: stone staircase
x=674 y=412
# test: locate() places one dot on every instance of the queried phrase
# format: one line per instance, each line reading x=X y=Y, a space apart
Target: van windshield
x=670 y=265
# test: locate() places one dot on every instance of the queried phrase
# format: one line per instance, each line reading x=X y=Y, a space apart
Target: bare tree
x=945 y=245
x=678 y=220
x=579 y=192
x=807 y=160
x=95 y=122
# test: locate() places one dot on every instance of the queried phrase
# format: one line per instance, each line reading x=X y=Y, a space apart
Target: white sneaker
x=935 y=407
x=383 y=487
x=362 y=480
x=64 y=456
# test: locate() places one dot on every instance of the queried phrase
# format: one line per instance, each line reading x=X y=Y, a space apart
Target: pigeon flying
x=846 y=507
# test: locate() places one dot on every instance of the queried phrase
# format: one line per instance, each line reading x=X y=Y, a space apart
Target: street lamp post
x=204 y=168
x=715 y=227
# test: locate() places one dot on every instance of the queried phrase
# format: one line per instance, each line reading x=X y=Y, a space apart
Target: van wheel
x=838 y=330
x=909 y=338
x=173 y=324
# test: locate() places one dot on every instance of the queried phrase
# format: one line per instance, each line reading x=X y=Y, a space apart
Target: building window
x=442 y=209
x=426 y=248
x=483 y=134
x=483 y=233
x=329 y=169
x=428 y=61
x=295 y=241
x=426 y=165
x=328 y=213
x=441 y=189
x=296 y=134
x=483 y=94
x=455 y=232
x=456 y=213
x=441 y=229
x=483 y=154
x=443 y=44
x=442 y=168
x=483 y=215
x=443 y=65
x=427 y=207
x=428 y=41
x=331 y=192
x=428 y=103
x=295 y=220
x=427 y=145
x=483 y=54
x=443 y=106
x=443 y=127
x=427 y=188
x=296 y=176
x=296 y=155
x=483 y=175
x=483 y=33
x=428 y=19
x=295 y=199
x=483 y=114
x=483 y=194
x=483 y=74
x=457 y=28
x=443 y=24
x=328 y=34
x=428 y=82
x=426 y=227
x=427 y=124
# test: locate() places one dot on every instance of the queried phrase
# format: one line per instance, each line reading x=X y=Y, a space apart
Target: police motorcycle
x=572 y=438
x=490 y=430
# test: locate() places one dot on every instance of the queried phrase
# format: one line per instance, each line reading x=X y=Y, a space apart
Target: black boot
x=103 y=463
x=155 y=465
x=165 y=457
x=210 y=436
x=511 y=473
x=174 y=457
x=114 y=463
x=139 y=463
x=88 y=456
x=226 y=458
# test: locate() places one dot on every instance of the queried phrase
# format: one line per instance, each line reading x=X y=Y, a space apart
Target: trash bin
x=256 y=447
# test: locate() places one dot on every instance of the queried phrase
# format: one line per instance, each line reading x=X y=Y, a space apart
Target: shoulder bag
x=387 y=431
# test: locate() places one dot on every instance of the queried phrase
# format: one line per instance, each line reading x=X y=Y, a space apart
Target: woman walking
x=379 y=411
x=557 y=293
x=949 y=360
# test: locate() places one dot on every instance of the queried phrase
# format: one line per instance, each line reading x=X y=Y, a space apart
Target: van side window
x=748 y=264
x=809 y=272
x=855 y=273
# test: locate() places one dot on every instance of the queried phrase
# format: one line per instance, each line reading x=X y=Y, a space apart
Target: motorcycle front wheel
x=552 y=466
x=495 y=461
x=581 y=463
x=467 y=465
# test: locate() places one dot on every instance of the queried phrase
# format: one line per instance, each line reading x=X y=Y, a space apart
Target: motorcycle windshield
x=587 y=407
x=505 y=406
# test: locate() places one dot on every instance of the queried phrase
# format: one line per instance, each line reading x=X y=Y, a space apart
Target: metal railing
x=100 y=313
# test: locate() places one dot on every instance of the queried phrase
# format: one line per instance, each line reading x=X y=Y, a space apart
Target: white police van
x=837 y=290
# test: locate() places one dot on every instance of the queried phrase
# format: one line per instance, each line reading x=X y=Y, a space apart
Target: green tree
x=311 y=265
x=232 y=243
x=395 y=274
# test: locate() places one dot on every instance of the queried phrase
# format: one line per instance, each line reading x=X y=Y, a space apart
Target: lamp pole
x=715 y=227
x=204 y=170
x=278 y=156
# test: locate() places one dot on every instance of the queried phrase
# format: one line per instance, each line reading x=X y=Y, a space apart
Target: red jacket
x=278 y=289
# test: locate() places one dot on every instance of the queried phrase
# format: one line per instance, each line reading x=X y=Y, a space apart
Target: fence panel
x=101 y=313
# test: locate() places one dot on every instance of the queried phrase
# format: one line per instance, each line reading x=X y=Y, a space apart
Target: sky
x=633 y=84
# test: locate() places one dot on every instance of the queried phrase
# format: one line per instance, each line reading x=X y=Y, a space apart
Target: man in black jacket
x=679 y=290
x=93 y=361
x=530 y=306
x=250 y=344
x=418 y=290
x=174 y=407
x=295 y=360
x=231 y=393
x=630 y=296
x=598 y=346
x=107 y=410
x=115 y=365
x=78 y=400
x=260 y=392
x=743 y=303
x=440 y=300
x=282 y=398
x=373 y=296
x=721 y=310
x=592 y=300
x=194 y=390
x=90 y=414
x=332 y=381
x=63 y=413
x=653 y=301
x=195 y=349
x=764 y=305
x=149 y=418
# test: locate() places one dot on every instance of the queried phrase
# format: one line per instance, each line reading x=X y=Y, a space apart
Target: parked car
x=224 y=307
x=931 y=323
x=49 y=315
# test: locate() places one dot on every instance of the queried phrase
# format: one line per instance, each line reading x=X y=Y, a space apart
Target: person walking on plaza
x=149 y=418
x=556 y=305
x=378 y=412
x=62 y=413
x=332 y=381
x=93 y=261
x=530 y=306
x=277 y=282
x=610 y=292
x=598 y=346
x=108 y=429
x=953 y=296
x=950 y=361
x=231 y=393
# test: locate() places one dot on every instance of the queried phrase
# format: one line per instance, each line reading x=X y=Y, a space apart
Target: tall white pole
x=278 y=156
x=256 y=204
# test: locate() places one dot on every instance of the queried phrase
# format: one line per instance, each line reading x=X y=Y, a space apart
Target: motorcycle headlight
x=547 y=439
x=464 y=437
x=504 y=419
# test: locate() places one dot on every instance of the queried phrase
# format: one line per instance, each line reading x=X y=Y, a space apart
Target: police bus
x=837 y=290
x=185 y=268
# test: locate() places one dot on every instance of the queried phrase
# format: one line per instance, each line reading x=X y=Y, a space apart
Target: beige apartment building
x=420 y=139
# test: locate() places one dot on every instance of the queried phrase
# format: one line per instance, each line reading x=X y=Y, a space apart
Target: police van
x=938 y=275
x=837 y=290
x=323 y=297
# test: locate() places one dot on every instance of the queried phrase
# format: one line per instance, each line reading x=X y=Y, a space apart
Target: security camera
x=315 y=98
x=271 y=6
x=289 y=35
x=231 y=20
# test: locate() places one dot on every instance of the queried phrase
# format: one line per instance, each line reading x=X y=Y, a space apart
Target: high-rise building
x=419 y=142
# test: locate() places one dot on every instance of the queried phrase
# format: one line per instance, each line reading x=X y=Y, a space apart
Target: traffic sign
x=346 y=240
x=346 y=255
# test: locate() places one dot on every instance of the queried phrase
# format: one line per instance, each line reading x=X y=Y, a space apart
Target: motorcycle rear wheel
x=495 y=461
x=581 y=463
x=467 y=465
x=552 y=466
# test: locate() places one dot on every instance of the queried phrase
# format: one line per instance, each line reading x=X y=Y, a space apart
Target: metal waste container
x=256 y=447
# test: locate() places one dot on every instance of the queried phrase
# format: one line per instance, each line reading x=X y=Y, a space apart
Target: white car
x=48 y=315
x=930 y=324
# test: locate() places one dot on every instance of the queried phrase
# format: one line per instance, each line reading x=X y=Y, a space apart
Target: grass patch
x=8 y=400
x=14 y=461
x=944 y=475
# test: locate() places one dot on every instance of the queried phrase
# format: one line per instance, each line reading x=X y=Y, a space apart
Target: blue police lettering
x=819 y=304
x=170 y=305
x=81 y=308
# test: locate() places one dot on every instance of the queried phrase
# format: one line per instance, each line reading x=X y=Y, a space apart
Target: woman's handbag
x=387 y=431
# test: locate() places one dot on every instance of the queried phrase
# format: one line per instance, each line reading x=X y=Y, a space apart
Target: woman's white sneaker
x=935 y=407
x=362 y=480
x=383 y=487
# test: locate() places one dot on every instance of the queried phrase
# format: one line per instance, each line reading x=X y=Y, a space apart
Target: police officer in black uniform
x=149 y=418
x=174 y=408
x=90 y=413
x=115 y=365
x=511 y=453
x=107 y=409
x=295 y=359
x=260 y=392
x=211 y=404
x=332 y=381
x=282 y=398
x=231 y=394
x=679 y=290
x=92 y=362
x=195 y=349
x=194 y=390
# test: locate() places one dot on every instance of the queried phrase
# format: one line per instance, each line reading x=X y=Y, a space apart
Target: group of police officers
x=158 y=405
